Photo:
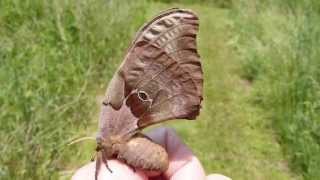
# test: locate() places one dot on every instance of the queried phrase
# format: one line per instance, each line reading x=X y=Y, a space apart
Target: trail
x=231 y=136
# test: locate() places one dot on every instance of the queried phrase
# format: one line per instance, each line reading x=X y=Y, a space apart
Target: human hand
x=182 y=163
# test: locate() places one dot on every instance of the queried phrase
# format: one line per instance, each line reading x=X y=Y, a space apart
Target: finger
x=191 y=170
x=120 y=171
x=181 y=159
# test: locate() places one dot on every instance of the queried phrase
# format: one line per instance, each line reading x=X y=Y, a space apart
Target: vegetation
x=54 y=58
x=261 y=110
x=278 y=42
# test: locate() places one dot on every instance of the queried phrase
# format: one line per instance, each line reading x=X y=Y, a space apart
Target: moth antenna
x=81 y=139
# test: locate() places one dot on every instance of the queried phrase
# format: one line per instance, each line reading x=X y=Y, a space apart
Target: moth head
x=104 y=145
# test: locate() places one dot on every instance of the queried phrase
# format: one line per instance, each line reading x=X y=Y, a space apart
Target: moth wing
x=164 y=63
x=161 y=77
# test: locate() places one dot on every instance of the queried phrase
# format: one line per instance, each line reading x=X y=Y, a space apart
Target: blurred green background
x=261 y=111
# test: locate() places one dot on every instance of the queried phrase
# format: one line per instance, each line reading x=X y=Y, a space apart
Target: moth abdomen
x=142 y=153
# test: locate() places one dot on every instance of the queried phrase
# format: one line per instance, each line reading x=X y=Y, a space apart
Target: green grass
x=260 y=115
x=54 y=57
x=278 y=42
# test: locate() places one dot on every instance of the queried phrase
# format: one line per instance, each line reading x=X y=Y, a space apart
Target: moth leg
x=142 y=153
x=98 y=165
x=133 y=168
x=105 y=161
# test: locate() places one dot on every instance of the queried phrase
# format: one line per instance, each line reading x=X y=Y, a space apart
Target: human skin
x=183 y=165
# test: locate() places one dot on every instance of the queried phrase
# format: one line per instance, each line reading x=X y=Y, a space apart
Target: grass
x=260 y=115
x=54 y=57
x=279 y=52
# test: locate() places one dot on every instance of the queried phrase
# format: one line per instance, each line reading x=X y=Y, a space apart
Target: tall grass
x=54 y=55
x=216 y=3
x=278 y=42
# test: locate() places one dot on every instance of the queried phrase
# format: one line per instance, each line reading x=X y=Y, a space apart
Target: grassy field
x=260 y=116
x=55 y=57
x=278 y=44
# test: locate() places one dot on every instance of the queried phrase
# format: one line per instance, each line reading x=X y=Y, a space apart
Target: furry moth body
x=160 y=79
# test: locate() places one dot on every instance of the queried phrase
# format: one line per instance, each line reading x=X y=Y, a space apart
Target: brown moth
x=160 y=79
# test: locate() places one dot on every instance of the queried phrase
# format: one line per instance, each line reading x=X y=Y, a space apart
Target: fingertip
x=120 y=171
x=189 y=171
x=158 y=135
x=168 y=138
x=85 y=173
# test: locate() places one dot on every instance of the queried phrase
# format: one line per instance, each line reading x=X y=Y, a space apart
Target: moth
x=160 y=79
